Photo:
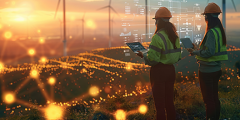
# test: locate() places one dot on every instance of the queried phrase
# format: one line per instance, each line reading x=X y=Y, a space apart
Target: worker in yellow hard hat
x=212 y=51
x=164 y=51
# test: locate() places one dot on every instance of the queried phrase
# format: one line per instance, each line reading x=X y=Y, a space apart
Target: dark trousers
x=209 y=89
x=162 y=78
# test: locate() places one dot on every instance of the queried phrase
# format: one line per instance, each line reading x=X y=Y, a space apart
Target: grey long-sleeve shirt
x=210 y=43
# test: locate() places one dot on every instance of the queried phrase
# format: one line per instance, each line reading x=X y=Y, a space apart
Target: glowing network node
x=120 y=115
x=43 y=60
x=142 y=109
x=9 y=98
x=1 y=66
x=53 y=112
x=93 y=91
x=7 y=35
x=34 y=73
x=52 y=80
x=31 y=52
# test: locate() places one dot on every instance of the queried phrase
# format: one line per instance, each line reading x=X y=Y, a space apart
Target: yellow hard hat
x=162 y=12
x=212 y=8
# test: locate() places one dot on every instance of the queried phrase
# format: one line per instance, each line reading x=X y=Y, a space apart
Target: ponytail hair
x=170 y=30
x=213 y=22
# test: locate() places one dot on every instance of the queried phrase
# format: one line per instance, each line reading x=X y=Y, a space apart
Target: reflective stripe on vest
x=165 y=44
x=219 y=47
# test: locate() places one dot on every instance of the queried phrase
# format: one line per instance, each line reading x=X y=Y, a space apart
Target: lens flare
x=53 y=112
x=93 y=91
x=142 y=109
x=120 y=115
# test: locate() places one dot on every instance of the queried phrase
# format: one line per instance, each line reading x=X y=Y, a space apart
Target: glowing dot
x=139 y=83
x=52 y=52
x=53 y=112
x=1 y=66
x=142 y=109
x=52 y=80
x=31 y=52
x=43 y=60
x=34 y=73
x=9 y=98
x=38 y=31
x=70 y=37
x=128 y=67
x=41 y=40
x=93 y=91
x=1 y=26
x=7 y=35
x=120 y=115
x=94 y=38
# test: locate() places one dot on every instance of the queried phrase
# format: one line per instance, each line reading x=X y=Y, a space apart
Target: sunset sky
x=38 y=15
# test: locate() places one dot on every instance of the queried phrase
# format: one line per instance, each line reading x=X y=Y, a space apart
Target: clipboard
x=136 y=46
x=187 y=43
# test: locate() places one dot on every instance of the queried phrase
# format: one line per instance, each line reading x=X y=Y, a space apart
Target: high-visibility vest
x=220 y=49
x=164 y=47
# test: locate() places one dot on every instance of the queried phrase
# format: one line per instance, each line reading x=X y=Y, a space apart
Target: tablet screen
x=136 y=46
x=187 y=43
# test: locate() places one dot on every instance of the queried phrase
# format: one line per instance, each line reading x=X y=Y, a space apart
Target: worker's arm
x=152 y=56
x=210 y=44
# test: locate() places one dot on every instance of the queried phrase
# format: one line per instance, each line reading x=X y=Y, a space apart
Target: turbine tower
x=64 y=27
x=109 y=9
x=83 y=21
x=224 y=12
x=112 y=21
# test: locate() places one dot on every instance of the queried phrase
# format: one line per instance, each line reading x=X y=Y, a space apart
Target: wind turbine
x=224 y=12
x=64 y=26
x=110 y=7
x=82 y=27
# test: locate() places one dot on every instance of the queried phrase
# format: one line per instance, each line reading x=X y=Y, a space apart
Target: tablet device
x=136 y=46
x=187 y=43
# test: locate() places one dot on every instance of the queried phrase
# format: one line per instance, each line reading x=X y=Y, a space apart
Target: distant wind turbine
x=64 y=27
x=82 y=27
x=112 y=24
x=110 y=7
x=224 y=12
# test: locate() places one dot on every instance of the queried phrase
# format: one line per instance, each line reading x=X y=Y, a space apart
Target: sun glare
x=7 y=35
x=91 y=24
x=19 y=18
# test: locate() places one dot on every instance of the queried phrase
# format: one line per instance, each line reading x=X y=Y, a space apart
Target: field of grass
x=110 y=70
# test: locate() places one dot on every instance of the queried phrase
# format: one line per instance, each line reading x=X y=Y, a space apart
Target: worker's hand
x=195 y=47
x=140 y=54
x=190 y=50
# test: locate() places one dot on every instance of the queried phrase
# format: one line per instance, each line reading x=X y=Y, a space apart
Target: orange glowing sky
x=39 y=15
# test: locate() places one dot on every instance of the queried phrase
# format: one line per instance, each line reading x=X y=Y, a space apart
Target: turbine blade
x=109 y=2
x=114 y=10
x=57 y=8
x=234 y=6
x=103 y=7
